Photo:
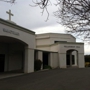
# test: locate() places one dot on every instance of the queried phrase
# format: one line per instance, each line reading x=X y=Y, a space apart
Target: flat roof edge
x=55 y=33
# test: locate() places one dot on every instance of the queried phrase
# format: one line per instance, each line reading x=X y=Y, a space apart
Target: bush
x=47 y=67
x=37 y=65
x=87 y=64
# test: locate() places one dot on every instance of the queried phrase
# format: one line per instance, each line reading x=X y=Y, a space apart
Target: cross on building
x=10 y=14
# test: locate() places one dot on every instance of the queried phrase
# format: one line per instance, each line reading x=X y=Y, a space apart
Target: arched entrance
x=71 y=58
x=12 y=54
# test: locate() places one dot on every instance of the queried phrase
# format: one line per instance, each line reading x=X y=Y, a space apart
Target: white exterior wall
x=49 y=38
x=44 y=41
x=62 y=37
x=66 y=38
x=54 y=48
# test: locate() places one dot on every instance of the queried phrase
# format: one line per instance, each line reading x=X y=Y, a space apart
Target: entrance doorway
x=72 y=58
x=2 y=61
x=68 y=59
x=45 y=59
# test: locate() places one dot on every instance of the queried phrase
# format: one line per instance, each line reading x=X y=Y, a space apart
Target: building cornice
x=45 y=51
x=10 y=24
x=73 y=43
x=70 y=43
x=51 y=34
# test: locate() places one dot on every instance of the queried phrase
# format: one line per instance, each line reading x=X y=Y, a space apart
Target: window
x=59 y=41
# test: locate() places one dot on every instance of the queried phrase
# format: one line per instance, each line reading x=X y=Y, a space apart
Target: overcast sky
x=31 y=17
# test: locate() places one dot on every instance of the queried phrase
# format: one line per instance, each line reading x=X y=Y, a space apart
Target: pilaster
x=29 y=60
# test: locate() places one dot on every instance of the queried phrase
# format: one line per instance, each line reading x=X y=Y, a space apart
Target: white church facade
x=20 y=47
x=17 y=46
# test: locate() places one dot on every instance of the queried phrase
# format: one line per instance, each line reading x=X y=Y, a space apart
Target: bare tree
x=43 y=5
x=74 y=14
x=8 y=1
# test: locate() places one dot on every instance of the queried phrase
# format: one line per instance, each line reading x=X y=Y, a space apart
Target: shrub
x=37 y=65
x=47 y=67
x=87 y=64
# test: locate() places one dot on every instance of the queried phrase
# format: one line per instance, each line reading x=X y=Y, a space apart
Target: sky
x=32 y=18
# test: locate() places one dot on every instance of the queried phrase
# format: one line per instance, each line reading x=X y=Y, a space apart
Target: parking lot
x=56 y=79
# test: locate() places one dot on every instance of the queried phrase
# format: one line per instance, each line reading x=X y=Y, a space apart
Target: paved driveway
x=57 y=79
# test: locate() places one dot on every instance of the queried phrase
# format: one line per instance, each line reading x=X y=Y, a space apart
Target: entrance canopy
x=11 y=54
x=72 y=54
x=6 y=39
x=17 y=46
x=12 y=30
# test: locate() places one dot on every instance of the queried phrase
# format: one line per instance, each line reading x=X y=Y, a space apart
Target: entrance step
x=72 y=66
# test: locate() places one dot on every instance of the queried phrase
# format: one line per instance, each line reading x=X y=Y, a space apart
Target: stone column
x=62 y=60
x=29 y=60
x=54 y=61
x=76 y=57
x=40 y=56
x=70 y=59
x=51 y=60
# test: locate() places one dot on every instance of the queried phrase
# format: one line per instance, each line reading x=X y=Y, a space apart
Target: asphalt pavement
x=56 y=79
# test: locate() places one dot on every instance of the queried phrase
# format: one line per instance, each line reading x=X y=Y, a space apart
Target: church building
x=60 y=50
x=20 y=47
